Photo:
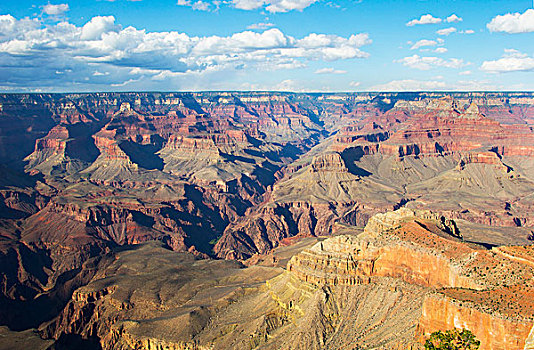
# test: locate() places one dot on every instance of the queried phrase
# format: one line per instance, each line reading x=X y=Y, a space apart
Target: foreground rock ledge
x=408 y=274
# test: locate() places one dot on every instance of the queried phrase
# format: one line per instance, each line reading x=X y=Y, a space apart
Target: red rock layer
x=468 y=288
x=494 y=331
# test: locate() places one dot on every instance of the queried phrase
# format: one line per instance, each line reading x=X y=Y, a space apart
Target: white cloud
x=467 y=31
x=410 y=85
x=289 y=85
x=55 y=10
x=97 y=26
x=465 y=72
x=10 y=27
x=355 y=84
x=127 y=82
x=248 y=4
x=288 y=5
x=201 y=6
x=426 y=63
x=423 y=43
x=260 y=26
x=273 y=6
x=97 y=73
x=330 y=71
x=440 y=50
x=425 y=19
x=513 y=22
x=453 y=18
x=512 y=61
x=434 y=85
x=330 y=47
x=195 y=5
x=446 y=31
x=102 y=52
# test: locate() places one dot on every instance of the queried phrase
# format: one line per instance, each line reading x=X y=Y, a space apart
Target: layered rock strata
x=468 y=287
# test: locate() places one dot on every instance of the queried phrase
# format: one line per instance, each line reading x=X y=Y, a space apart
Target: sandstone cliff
x=468 y=287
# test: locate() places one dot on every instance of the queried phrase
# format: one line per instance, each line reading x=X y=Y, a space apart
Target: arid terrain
x=222 y=220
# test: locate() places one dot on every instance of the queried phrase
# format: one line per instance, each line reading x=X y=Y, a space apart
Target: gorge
x=265 y=220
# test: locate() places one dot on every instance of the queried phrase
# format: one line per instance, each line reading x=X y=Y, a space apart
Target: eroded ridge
x=487 y=291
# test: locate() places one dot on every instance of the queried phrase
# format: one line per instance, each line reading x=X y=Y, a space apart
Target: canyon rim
x=266 y=174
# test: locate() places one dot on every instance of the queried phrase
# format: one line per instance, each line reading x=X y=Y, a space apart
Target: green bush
x=454 y=339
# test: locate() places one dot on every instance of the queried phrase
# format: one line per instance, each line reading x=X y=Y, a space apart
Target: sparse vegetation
x=454 y=339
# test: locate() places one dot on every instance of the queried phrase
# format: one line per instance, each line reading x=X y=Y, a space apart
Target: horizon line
x=266 y=91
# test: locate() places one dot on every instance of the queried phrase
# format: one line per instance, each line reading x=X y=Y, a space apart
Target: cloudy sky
x=289 y=45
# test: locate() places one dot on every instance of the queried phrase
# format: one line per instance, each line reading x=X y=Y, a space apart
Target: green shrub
x=454 y=339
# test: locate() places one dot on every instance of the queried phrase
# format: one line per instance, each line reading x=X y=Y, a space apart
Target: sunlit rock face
x=239 y=175
x=468 y=287
x=339 y=292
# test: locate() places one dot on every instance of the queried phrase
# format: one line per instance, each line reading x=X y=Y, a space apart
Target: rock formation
x=468 y=287
x=426 y=154
x=239 y=176
x=406 y=275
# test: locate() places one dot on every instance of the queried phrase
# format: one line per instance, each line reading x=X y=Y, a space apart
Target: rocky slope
x=236 y=175
x=407 y=274
x=436 y=154
x=467 y=287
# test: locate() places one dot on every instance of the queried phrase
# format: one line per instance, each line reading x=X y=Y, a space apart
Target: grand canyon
x=265 y=220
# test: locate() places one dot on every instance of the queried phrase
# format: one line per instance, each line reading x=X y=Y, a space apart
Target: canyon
x=244 y=220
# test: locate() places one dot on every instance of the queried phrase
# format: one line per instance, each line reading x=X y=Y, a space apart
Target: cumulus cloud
x=288 y=5
x=102 y=52
x=97 y=26
x=273 y=6
x=248 y=4
x=260 y=26
x=55 y=10
x=513 y=22
x=330 y=71
x=440 y=50
x=10 y=27
x=426 y=63
x=425 y=19
x=423 y=43
x=512 y=61
x=446 y=31
x=453 y=19
x=195 y=5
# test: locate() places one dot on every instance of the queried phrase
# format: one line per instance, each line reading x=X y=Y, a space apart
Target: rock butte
x=118 y=212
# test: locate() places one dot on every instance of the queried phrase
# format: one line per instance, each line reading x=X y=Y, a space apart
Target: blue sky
x=293 y=45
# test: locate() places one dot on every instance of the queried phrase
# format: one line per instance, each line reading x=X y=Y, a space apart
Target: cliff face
x=223 y=306
x=493 y=331
x=266 y=229
x=49 y=151
x=423 y=153
x=467 y=287
x=408 y=255
x=236 y=175
x=342 y=292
